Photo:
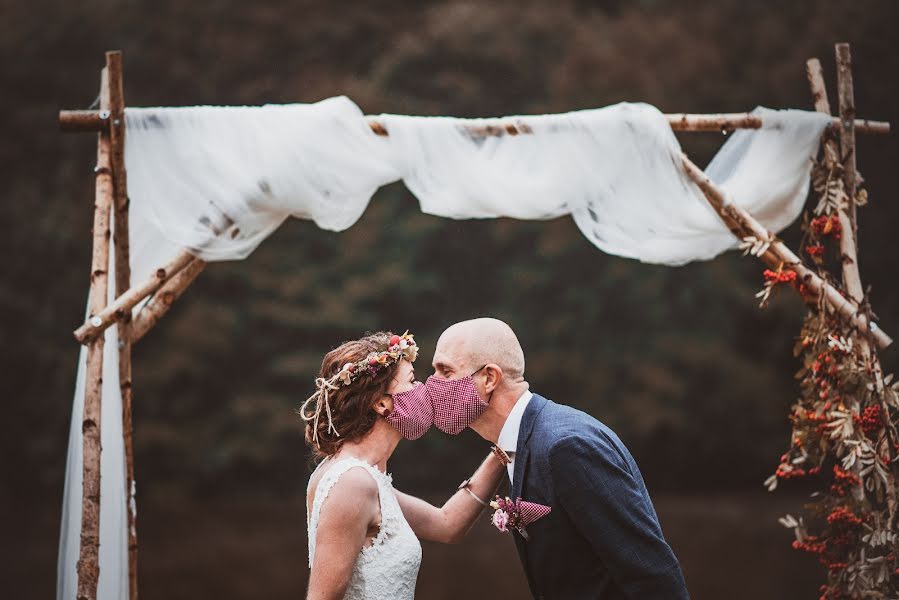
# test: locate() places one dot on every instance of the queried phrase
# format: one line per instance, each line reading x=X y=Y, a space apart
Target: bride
x=364 y=534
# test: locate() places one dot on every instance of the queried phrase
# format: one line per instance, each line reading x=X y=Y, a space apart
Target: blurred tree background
x=679 y=361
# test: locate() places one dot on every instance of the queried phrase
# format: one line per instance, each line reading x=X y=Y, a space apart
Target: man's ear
x=493 y=374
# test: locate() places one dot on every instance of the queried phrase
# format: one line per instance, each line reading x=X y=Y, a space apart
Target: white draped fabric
x=219 y=180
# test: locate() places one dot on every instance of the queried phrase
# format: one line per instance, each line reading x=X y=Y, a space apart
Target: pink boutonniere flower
x=516 y=514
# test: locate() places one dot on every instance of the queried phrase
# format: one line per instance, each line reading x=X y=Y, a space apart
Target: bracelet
x=465 y=485
x=501 y=455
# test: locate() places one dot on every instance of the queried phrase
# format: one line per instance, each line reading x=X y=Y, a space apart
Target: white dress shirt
x=508 y=435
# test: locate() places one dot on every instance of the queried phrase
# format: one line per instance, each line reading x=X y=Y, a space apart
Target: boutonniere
x=516 y=514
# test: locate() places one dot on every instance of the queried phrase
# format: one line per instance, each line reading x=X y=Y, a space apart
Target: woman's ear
x=384 y=405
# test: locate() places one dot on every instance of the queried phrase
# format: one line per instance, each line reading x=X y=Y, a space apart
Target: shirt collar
x=508 y=435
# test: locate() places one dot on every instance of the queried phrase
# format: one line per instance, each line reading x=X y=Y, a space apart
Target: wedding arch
x=205 y=187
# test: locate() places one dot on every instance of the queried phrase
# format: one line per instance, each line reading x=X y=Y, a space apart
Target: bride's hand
x=449 y=523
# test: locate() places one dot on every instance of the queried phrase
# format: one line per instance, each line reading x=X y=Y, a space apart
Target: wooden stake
x=98 y=322
x=779 y=252
x=89 y=553
x=160 y=303
x=122 y=283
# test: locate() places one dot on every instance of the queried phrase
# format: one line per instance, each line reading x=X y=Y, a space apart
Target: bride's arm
x=352 y=506
x=450 y=523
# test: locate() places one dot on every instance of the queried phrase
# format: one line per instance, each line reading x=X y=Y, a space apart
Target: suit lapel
x=522 y=449
x=522 y=456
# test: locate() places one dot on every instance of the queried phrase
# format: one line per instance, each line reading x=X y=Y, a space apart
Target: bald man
x=602 y=538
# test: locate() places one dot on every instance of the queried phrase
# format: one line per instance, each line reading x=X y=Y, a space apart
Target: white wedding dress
x=388 y=568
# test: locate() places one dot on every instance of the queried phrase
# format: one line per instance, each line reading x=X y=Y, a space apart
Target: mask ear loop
x=490 y=397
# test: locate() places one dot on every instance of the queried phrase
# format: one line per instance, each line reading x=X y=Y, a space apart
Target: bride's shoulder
x=348 y=478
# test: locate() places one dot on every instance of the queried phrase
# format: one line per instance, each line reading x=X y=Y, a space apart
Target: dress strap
x=328 y=481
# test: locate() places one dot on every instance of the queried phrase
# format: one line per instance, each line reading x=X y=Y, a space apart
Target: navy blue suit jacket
x=602 y=539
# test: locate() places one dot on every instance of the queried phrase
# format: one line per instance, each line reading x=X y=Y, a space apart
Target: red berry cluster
x=827 y=225
x=823 y=368
x=780 y=276
x=871 y=420
x=785 y=471
x=810 y=544
x=815 y=251
x=843 y=480
x=843 y=516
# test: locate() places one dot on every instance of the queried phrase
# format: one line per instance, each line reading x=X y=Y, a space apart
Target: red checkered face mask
x=413 y=413
x=457 y=402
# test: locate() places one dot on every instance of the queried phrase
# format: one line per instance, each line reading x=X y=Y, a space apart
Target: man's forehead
x=449 y=351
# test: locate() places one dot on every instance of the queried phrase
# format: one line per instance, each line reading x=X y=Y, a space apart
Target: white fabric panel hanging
x=113 y=554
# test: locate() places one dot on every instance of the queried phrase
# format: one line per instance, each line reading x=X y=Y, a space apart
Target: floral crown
x=398 y=347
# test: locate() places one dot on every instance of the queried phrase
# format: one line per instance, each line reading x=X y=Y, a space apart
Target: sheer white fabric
x=218 y=180
x=387 y=569
x=193 y=170
x=616 y=170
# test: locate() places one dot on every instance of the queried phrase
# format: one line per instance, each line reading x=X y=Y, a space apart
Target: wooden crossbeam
x=92 y=120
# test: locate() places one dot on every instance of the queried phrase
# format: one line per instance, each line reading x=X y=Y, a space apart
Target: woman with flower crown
x=363 y=534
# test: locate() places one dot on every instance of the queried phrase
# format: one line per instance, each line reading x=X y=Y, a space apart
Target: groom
x=602 y=539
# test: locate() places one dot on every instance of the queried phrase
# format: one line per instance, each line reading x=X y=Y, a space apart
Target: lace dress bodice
x=388 y=568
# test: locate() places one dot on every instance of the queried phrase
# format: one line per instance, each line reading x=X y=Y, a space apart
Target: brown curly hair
x=351 y=405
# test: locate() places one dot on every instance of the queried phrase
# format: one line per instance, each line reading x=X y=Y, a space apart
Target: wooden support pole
x=849 y=237
x=88 y=567
x=160 y=303
x=99 y=321
x=122 y=284
x=779 y=252
x=848 y=249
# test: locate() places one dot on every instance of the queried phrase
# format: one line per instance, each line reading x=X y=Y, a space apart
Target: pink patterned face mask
x=457 y=402
x=413 y=413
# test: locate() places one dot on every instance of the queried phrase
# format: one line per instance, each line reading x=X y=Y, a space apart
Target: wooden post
x=89 y=553
x=122 y=284
x=846 y=97
x=848 y=238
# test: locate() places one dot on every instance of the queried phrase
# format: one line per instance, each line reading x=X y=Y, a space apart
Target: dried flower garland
x=844 y=426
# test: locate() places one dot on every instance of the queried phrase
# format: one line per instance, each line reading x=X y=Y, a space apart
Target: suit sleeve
x=608 y=505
